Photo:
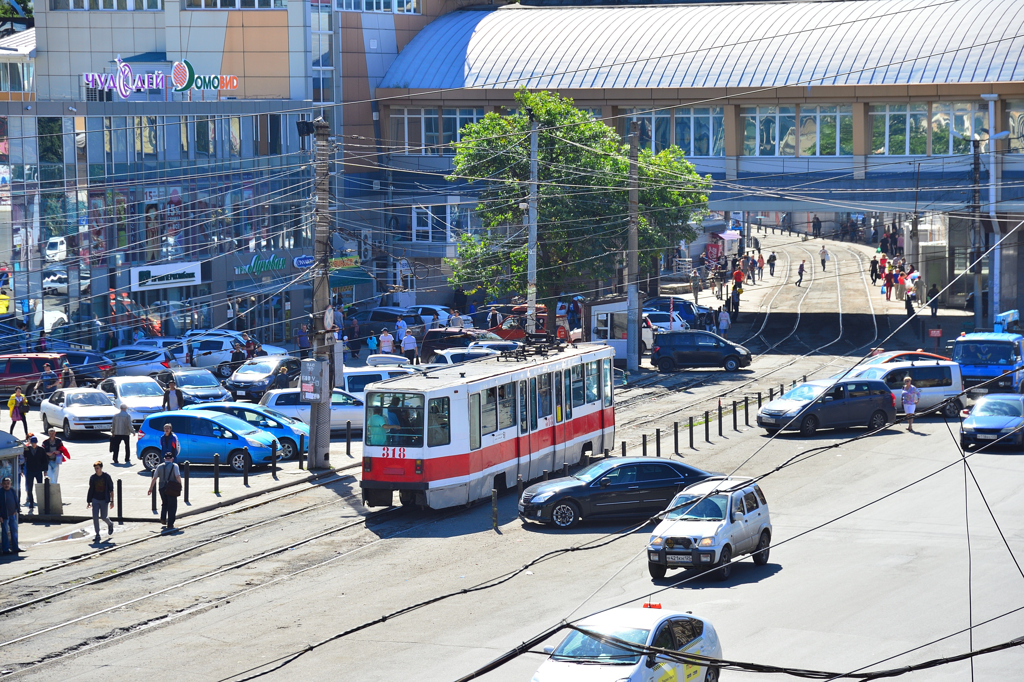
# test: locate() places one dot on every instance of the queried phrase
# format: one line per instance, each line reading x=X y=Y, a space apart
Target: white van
x=608 y=324
x=56 y=249
x=936 y=379
x=358 y=378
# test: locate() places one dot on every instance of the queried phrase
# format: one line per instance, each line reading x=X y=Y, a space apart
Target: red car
x=901 y=356
x=513 y=327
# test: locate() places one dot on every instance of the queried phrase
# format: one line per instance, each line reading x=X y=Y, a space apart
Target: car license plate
x=768 y=420
x=679 y=558
x=986 y=436
x=978 y=390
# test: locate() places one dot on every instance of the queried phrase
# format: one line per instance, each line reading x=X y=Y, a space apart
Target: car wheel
x=224 y=370
x=732 y=364
x=809 y=425
x=724 y=570
x=35 y=394
x=565 y=514
x=711 y=675
x=666 y=365
x=657 y=571
x=878 y=421
x=951 y=410
x=288 y=449
x=763 y=547
x=151 y=458
x=67 y=430
x=46 y=424
x=236 y=460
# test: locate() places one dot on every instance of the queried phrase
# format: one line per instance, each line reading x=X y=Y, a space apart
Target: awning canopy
x=728 y=235
x=348 y=277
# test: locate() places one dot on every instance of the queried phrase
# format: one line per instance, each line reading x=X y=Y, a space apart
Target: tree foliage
x=583 y=198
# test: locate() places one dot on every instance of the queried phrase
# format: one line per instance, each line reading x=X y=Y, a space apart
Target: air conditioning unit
x=365 y=245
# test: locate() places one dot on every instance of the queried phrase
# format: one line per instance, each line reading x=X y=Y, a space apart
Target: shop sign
x=183 y=77
x=149 y=277
x=303 y=262
x=347 y=262
x=258 y=265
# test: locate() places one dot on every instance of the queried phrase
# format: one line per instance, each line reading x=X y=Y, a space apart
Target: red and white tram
x=447 y=436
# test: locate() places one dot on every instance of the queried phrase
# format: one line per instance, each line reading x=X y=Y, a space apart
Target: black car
x=443 y=338
x=90 y=368
x=198 y=385
x=821 y=405
x=611 y=487
x=254 y=377
x=672 y=350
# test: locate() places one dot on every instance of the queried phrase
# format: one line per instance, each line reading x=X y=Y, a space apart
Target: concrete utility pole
x=320 y=412
x=531 y=249
x=997 y=255
x=977 y=242
x=632 y=265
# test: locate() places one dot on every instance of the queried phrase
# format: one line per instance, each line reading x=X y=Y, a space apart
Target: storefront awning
x=728 y=235
x=348 y=277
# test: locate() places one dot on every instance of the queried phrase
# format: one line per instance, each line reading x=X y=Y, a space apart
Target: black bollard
x=585 y=459
x=216 y=473
x=184 y=477
x=519 y=487
x=302 y=461
x=46 y=494
x=245 y=468
x=348 y=439
x=544 y=475
x=120 y=505
x=746 y=410
x=623 y=448
x=675 y=425
x=782 y=389
x=720 y=434
x=771 y=394
x=565 y=470
x=273 y=459
x=707 y=426
x=606 y=455
x=759 y=400
x=494 y=508
x=691 y=433
x=657 y=442
x=643 y=449
x=805 y=378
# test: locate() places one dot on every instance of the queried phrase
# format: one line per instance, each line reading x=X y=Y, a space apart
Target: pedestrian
x=18 y=405
x=493 y=318
x=173 y=399
x=190 y=354
x=695 y=285
x=22 y=336
x=738 y=276
x=167 y=481
x=908 y=302
x=400 y=327
x=387 y=342
x=933 y=299
x=723 y=277
x=302 y=339
x=874 y=270
x=816 y=226
x=724 y=322
x=409 y=347
x=101 y=498
x=454 y=320
x=760 y=266
x=49 y=380
x=736 y=291
x=901 y=285
x=169 y=445
x=121 y=431
x=825 y=256
x=771 y=264
x=250 y=346
x=911 y=396
x=42 y=345
x=55 y=454
x=889 y=284
x=883 y=262
x=281 y=379
x=67 y=375
x=800 y=272
x=750 y=266
x=371 y=344
x=435 y=321
x=899 y=244
x=36 y=462
x=9 y=508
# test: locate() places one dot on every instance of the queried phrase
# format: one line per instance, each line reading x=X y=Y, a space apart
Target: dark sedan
x=90 y=368
x=996 y=419
x=197 y=384
x=611 y=487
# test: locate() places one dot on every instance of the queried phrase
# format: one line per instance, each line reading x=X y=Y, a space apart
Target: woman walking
x=889 y=283
x=911 y=395
x=18 y=406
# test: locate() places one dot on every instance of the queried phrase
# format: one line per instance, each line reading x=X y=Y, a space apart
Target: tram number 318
x=394 y=453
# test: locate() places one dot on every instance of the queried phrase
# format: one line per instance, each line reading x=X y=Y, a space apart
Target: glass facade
x=382 y=6
x=1015 y=116
x=697 y=131
x=111 y=5
x=17 y=77
x=322 y=51
x=899 y=129
x=826 y=130
x=416 y=131
x=955 y=123
x=228 y=4
x=769 y=131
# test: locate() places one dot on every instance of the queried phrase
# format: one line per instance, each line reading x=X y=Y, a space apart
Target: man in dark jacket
x=174 y=399
x=8 y=518
x=169 y=444
x=281 y=379
x=237 y=357
x=101 y=498
x=36 y=463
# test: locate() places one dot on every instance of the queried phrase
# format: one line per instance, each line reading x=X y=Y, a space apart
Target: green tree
x=583 y=199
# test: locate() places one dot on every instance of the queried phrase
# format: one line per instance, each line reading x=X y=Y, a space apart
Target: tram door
x=523 y=439
x=558 y=437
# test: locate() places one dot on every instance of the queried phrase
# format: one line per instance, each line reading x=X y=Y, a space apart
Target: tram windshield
x=394 y=419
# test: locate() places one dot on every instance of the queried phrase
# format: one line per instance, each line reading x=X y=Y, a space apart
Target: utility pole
x=320 y=411
x=977 y=242
x=531 y=251
x=632 y=265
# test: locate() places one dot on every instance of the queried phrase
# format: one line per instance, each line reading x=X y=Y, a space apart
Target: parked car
x=145 y=361
x=709 y=525
x=938 y=380
x=664 y=321
x=454 y=356
x=673 y=350
x=617 y=486
x=197 y=385
x=901 y=356
x=997 y=418
x=435 y=340
x=201 y=435
x=425 y=313
x=377 y=319
x=291 y=433
x=820 y=404
x=358 y=378
x=214 y=352
x=344 y=407
x=56 y=249
x=677 y=304
x=173 y=344
x=581 y=656
x=90 y=368
x=24 y=369
x=77 y=409
x=500 y=346
x=255 y=376
x=143 y=395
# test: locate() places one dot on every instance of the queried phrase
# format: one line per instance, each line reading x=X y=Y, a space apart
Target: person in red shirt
x=738 y=276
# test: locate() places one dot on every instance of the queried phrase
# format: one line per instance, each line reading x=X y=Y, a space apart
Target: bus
x=447 y=436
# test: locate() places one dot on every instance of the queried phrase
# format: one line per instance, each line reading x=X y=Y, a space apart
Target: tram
x=447 y=436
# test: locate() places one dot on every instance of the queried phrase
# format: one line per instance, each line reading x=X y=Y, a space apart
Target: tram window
x=578 y=396
x=506 y=405
x=396 y=419
x=438 y=427
x=607 y=383
x=544 y=395
x=568 y=394
x=533 y=404
x=524 y=413
x=474 y=421
x=592 y=391
x=489 y=411
x=558 y=397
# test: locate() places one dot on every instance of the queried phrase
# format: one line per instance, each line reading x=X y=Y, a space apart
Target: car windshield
x=698 y=507
x=581 y=648
x=280 y=417
x=804 y=392
x=394 y=419
x=984 y=353
x=875 y=373
x=996 y=408
x=196 y=380
x=595 y=470
x=141 y=389
x=488 y=336
x=91 y=399
x=256 y=368
x=235 y=424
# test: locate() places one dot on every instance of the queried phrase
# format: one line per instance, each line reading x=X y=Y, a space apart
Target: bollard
x=675 y=425
x=707 y=426
x=606 y=455
x=657 y=442
x=153 y=498
x=720 y=434
x=544 y=476
x=759 y=400
x=623 y=448
x=782 y=389
x=46 y=495
x=120 y=505
x=245 y=468
x=746 y=411
x=643 y=449
x=348 y=439
x=184 y=479
x=735 y=417
x=771 y=394
x=519 y=487
x=805 y=378
x=302 y=461
x=494 y=508
x=793 y=386
x=216 y=473
x=691 y=433
x=585 y=459
x=273 y=459
x=565 y=470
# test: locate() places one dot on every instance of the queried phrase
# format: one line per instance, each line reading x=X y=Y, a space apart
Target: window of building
x=899 y=129
x=384 y=6
x=121 y=5
x=1015 y=114
x=699 y=131
x=430 y=224
x=654 y=127
x=414 y=131
x=452 y=121
x=16 y=77
x=230 y=4
x=321 y=48
x=954 y=125
x=826 y=130
x=769 y=131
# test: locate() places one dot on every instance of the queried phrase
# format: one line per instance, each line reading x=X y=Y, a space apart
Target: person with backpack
x=771 y=264
x=167 y=481
x=18 y=405
x=101 y=498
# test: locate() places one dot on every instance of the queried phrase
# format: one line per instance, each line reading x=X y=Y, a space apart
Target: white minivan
x=936 y=379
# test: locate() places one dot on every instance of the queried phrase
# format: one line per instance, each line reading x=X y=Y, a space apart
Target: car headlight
x=1009 y=429
x=254 y=443
x=706 y=542
x=656 y=542
x=543 y=497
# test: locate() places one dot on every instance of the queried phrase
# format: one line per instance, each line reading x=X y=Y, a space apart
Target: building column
x=733 y=141
x=861 y=139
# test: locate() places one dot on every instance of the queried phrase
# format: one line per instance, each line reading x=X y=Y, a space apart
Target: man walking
x=824 y=255
x=874 y=270
x=911 y=396
x=400 y=327
x=8 y=518
x=816 y=226
x=302 y=339
x=933 y=299
x=169 y=445
x=36 y=462
x=101 y=498
x=121 y=431
x=54 y=449
x=49 y=379
x=736 y=304
x=167 y=481
x=760 y=266
x=454 y=320
x=174 y=399
x=800 y=273
x=771 y=264
x=409 y=347
x=695 y=284
x=387 y=342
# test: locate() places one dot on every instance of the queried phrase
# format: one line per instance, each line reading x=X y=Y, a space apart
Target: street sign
x=314 y=382
x=935 y=333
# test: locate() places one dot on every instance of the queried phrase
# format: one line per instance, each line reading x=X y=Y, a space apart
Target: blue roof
x=753 y=45
x=991 y=336
x=147 y=58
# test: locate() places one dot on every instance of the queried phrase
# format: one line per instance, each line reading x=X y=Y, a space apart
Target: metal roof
x=20 y=43
x=718 y=45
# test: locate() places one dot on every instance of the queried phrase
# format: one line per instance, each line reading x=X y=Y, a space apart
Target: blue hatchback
x=203 y=433
x=292 y=434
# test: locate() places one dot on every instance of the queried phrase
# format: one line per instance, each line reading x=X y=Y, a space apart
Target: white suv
x=709 y=524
